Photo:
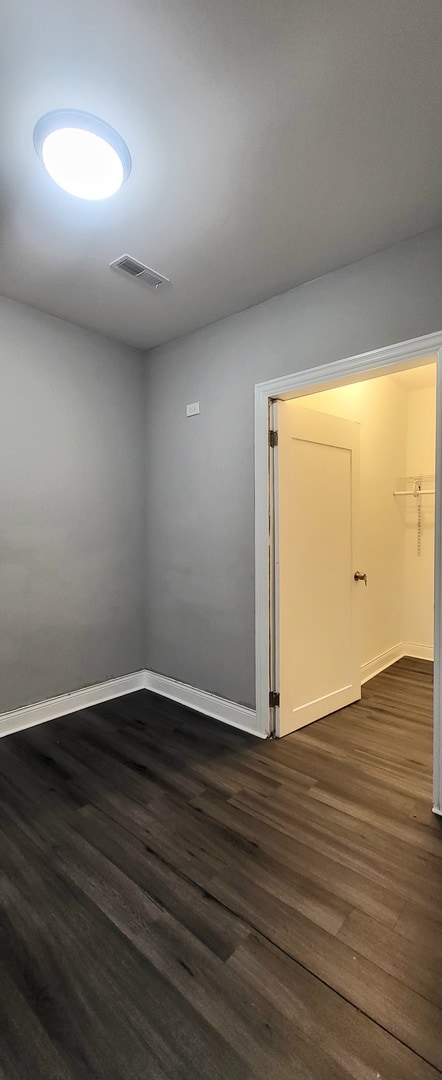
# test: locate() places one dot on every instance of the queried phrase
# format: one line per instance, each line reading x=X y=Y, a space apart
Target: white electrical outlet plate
x=193 y=409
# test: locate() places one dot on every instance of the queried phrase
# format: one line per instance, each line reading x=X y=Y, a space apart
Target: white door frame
x=393 y=356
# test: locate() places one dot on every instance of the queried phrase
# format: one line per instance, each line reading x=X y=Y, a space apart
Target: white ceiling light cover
x=83 y=155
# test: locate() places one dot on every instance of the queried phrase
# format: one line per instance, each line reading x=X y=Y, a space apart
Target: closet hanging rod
x=415 y=494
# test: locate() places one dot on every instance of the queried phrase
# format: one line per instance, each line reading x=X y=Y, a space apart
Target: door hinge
x=274 y=699
x=273 y=439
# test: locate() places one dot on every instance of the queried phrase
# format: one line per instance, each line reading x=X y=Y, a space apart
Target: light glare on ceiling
x=82 y=154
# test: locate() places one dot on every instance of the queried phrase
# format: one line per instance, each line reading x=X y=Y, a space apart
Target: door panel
x=316 y=506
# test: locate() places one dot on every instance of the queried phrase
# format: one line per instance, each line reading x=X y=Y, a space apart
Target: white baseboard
x=209 y=704
x=420 y=652
x=228 y=712
x=18 y=719
x=199 y=700
x=403 y=648
x=437 y=810
x=379 y=663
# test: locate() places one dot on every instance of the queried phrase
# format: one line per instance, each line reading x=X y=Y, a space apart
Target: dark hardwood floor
x=179 y=900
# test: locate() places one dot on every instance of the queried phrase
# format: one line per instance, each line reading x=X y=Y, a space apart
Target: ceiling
x=272 y=141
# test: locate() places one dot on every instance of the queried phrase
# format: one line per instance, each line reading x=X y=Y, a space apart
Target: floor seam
x=254 y=929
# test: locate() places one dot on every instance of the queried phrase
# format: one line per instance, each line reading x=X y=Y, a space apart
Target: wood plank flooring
x=179 y=901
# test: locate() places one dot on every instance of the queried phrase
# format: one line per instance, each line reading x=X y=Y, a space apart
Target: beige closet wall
x=419 y=570
x=397 y=440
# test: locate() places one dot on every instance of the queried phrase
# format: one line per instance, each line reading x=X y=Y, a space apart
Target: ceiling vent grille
x=136 y=269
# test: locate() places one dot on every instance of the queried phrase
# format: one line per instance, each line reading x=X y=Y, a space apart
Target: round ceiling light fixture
x=83 y=155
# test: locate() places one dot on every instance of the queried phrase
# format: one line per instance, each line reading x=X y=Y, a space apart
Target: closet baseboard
x=380 y=662
x=384 y=660
x=420 y=652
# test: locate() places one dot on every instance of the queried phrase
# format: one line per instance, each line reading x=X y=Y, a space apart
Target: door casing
x=338 y=373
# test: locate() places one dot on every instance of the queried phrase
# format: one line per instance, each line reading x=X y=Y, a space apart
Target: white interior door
x=316 y=514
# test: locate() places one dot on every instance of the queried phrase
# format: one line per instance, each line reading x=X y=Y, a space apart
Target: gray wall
x=72 y=516
x=200 y=524
x=74 y=483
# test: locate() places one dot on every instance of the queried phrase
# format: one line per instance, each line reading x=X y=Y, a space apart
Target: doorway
x=354 y=504
x=311 y=389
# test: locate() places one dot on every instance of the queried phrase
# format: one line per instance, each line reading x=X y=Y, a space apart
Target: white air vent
x=136 y=269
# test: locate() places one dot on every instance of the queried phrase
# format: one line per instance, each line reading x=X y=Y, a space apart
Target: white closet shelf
x=415 y=485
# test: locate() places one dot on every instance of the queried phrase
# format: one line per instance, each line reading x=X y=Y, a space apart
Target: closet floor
x=180 y=900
